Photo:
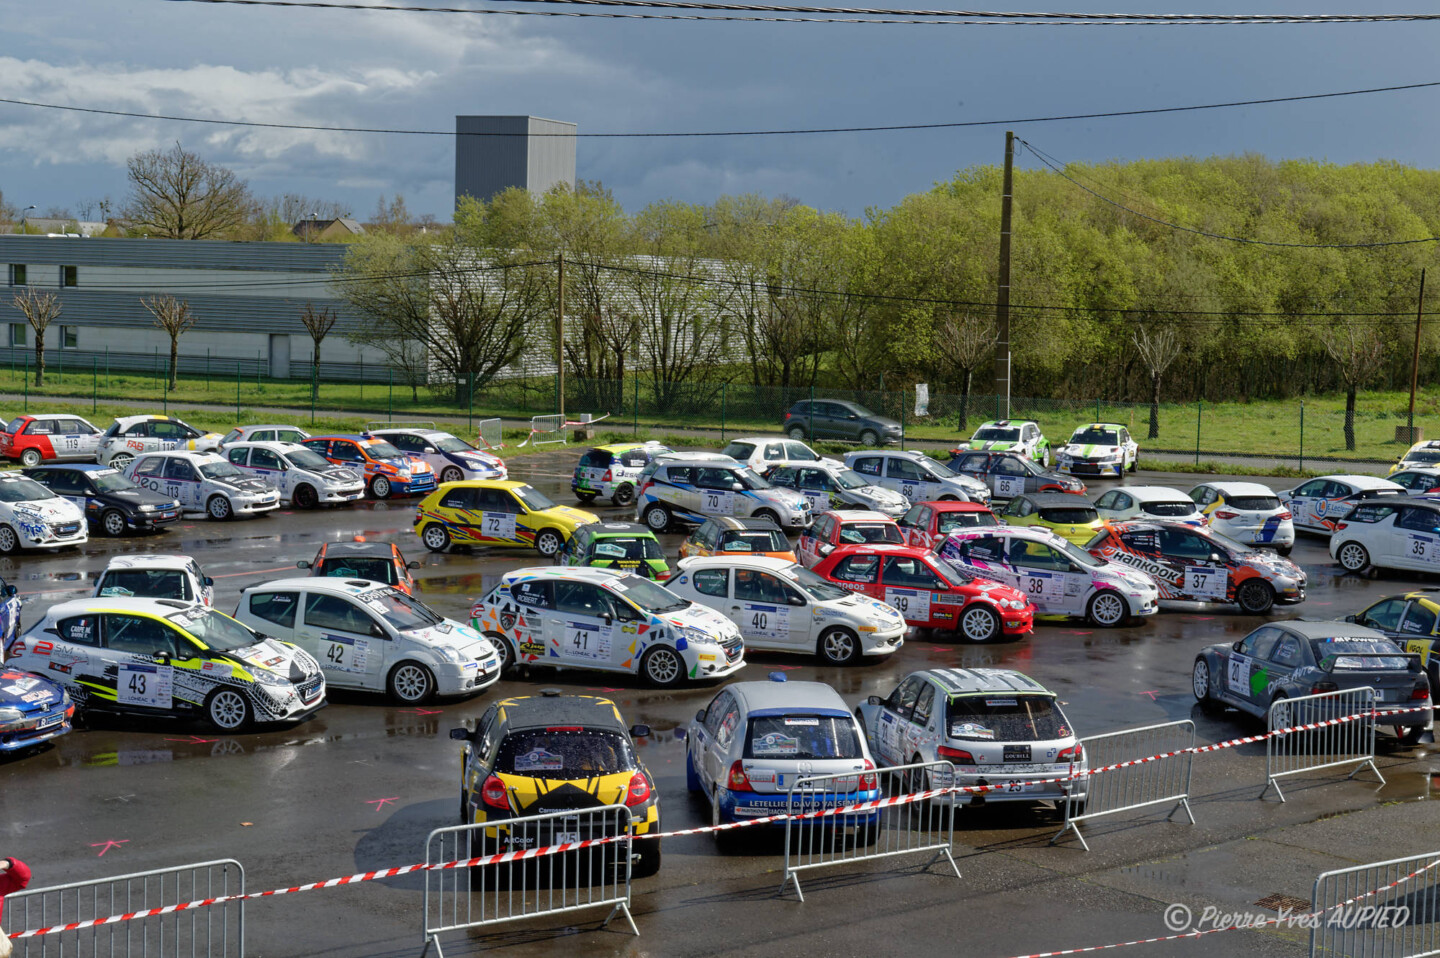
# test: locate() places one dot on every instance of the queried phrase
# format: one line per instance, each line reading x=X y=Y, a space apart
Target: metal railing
x=216 y=931
x=545 y=429
x=1162 y=780
x=488 y=434
x=1333 y=744
x=596 y=876
x=868 y=834
x=1380 y=910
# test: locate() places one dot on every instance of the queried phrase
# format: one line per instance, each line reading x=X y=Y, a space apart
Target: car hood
x=475 y=460
x=248 y=484
x=881 y=496
x=789 y=498
x=449 y=634
x=577 y=516
x=26 y=692
x=341 y=476
x=139 y=497
x=49 y=510
x=275 y=656
x=1117 y=574
x=1270 y=564
x=1088 y=450
x=991 y=445
x=707 y=620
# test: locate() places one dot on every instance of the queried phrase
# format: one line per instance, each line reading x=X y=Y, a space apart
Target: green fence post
x=1199 y=411
x=237 y=390
x=1302 y=435
x=94 y=384
x=258 y=390
x=60 y=376
x=107 y=367
x=362 y=377
x=207 y=369
x=1097 y=410
x=390 y=411
x=723 y=388
x=313 y=386
x=635 y=415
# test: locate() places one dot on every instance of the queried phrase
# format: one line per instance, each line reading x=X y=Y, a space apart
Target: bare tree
x=40 y=310
x=1358 y=352
x=1159 y=345
x=318 y=324
x=172 y=315
x=967 y=341
x=179 y=195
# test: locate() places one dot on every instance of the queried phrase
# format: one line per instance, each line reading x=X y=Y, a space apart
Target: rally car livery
x=1009 y=435
x=203 y=482
x=156 y=577
x=763 y=454
x=1059 y=578
x=1246 y=512
x=680 y=488
x=829 y=485
x=496 y=512
x=627 y=546
x=264 y=433
x=1318 y=504
x=360 y=559
x=1200 y=565
x=613 y=472
x=450 y=457
x=927 y=524
x=727 y=535
x=1069 y=517
x=10 y=604
x=33 y=710
x=1149 y=502
x=129 y=436
x=33 y=517
x=1419 y=480
x=302 y=476
x=832 y=530
x=1412 y=620
x=387 y=470
x=171 y=658
x=1009 y=474
x=1425 y=453
x=109 y=500
x=1390 y=533
x=916 y=476
x=48 y=437
x=606 y=621
x=1099 y=449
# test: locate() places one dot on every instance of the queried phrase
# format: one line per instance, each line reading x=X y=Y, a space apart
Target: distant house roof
x=50 y=224
x=325 y=229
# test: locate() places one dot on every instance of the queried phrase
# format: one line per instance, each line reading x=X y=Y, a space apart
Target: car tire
x=1203 y=685
x=228 y=710
x=1046 y=462
x=436 y=537
x=120 y=460
x=380 y=488
x=585 y=497
x=1353 y=557
x=978 y=623
x=451 y=474
x=112 y=521
x=9 y=541
x=647 y=860
x=624 y=495
x=30 y=458
x=218 y=508
x=662 y=667
x=506 y=650
x=869 y=437
x=548 y=543
x=1284 y=718
x=1254 y=596
x=767 y=514
x=1107 y=609
x=305 y=496
x=797 y=433
x=657 y=517
x=1284 y=551
x=410 y=683
x=838 y=646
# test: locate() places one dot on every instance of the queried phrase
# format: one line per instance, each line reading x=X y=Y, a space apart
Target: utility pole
x=560 y=342
x=1002 y=295
x=1415 y=357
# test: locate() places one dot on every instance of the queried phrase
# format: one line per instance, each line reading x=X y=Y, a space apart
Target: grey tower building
x=523 y=155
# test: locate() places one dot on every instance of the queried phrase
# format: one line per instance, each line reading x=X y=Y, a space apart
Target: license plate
x=1017 y=753
x=51 y=721
x=1021 y=786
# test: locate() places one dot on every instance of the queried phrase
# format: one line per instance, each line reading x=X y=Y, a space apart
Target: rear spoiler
x=1328 y=663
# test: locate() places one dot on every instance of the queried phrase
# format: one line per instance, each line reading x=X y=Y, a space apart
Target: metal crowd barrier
x=865 y=835
x=1159 y=782
x=1330 y=746
x=1380 y=910
x=594 y=877
x=216 y=931
x=545 y=429
x=489 y=434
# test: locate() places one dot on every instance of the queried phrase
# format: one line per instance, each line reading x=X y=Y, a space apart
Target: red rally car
x=927 y=524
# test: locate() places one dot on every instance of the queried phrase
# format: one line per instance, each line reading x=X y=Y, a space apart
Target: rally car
x=155 y=577
x=1318 y=504
x=685 y=488
x=496 y=512
x=1009 y=474
x=387 y=471
x=835 y=529
x=829 y=485
x=1420 y=480
x=203 y=482
x=916 y=476
x=606 y=621
x=927 y=524
x=1069 y=517
x=302 y=476
x=613 y=472
x=1425 y=453
x=33 y=517
x=1390 y=533
x=628 y=546
x=48 y=437
x=1149 y=502
x=450 y=457
x=361 y=559
x=33 y=710
x=1246 y=512
x=1099 y=449
x=129 y=436
x=110 y=501
x=10 y=605
x=1009 y=435
x=538 y=754
x=785 y=607
x=264 y=433
x=170 y=658
x=930 y=592
x=1200 y=565
x=1059 y=578
x=727 y=535
x=763 y=454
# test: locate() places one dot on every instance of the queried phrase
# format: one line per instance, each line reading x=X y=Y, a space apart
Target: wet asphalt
x=358 y=786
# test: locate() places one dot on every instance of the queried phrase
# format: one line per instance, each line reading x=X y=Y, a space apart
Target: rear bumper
x=743 y=806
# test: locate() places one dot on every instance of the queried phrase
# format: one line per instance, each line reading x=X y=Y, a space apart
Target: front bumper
x=467 y=677
x=343 y=493
x=885 y=641
x=44 y=727
x=414 y=486
x=705 y=665
x=244 y=507
x=141 y=521
x=1146 y=603
x=1089 y=467
x=54 y=536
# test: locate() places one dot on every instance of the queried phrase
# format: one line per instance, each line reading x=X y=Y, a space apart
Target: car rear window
x=949 y=521
x=1357 y=653
x=1006 y=718
x=1069 y=515
x=1169 y=508
x=629 y=548
x=1253 y=503
x=373 y=568
x=146 y=583
x=739 y=450
x=754 y=540
x=802 y=737
x=564 y=753
x=1423 y=455
x=858 y=533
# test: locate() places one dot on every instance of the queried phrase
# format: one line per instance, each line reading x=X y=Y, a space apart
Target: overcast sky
x=420 y=70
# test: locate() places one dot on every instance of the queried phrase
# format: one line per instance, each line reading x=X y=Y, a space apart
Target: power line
x=1055 y=165
x=713 y=133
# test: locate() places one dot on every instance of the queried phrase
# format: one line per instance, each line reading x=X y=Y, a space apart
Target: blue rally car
x=111 y=502
x=33 y=710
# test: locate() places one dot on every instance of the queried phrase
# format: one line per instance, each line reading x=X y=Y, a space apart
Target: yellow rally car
x=1424 y=453
x=552 y=753
x=496 y=512
x=1412 y=619
x=1068 y=516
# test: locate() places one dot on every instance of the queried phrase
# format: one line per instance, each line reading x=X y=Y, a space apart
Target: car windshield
x=1253 y=503
x=817 y=586
x=306 y=459
x=374 y=568
x=221 y=470
x=950 y=521
x=534 y=499
x=935 y=467
x=1006 y=718
x=146 y=583
x=217 y=630
x=1078 y=555
x=952 y=574
x=380 y=449
x=995 y=434
x=627 y=547
x=1229 y=543
x=1423 y=455
x=23 y=490
x=754 y=540
x=1095 y=437
x=564 y=753
x=400 y=610
x=108 y=480
x=750 y=480
x=1358 y=653
x=1183 y=508
x=647 y=596
x=738 y=450
x=450 y=444
x=802 y=737
x=850 y=479
x=860 y=533
x=1069 y=515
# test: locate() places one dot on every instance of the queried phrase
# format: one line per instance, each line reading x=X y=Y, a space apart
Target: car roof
x=887 y=453
x=1150 y=524
x=1052 y=500
x=954 y=505
x=413 y=430
x=1430 y=504
x=880 y=548
x=1156 y=494
x=1361 y=482
x=1039 y=533
x=1239 y=488
x=351 y=436
x=353 y=548
x=485 y=484
x=727 y=561
x=200 y=457
x=862 y=515
x=583 y=573
x=268 y=425
x=274 y=445
x=614 y=447
x=598 y=529
x=738 y=523
x=548 y=711
x=127 y=421
x=322 y=583
x=1328 y=629
x=148 y=562
x=78 y=467
x=1420 y=469
x=789 y=697
x=705 y=458
x=93 y=606
x=983 y=681
x=1101 y=425
x=1007 y=423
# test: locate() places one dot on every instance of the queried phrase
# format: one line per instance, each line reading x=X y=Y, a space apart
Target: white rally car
x=131 y=435
x=1319 y=505
x=155 y=577
x=1099 y=449
x=303 y=476
x=203 y=482
x=452 y=458
x=1010 y=435
x=33 y=517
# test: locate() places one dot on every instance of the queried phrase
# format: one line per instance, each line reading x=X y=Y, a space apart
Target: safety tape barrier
x=851 y=809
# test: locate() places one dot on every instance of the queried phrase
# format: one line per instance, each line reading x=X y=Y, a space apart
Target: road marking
x=109 y=844
x=380 y=803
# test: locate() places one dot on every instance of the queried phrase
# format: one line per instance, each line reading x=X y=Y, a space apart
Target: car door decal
x=587 y=640
x=766 y=621
x=1207 y=581
x=344 y=653
x=1009 y=486
x=1046 y=587
x=497 y=525
x=145 y=685
x=911 y=603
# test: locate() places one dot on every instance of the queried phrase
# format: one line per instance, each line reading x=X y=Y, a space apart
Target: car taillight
x=493 y=793
x=1320 y=687
x=1227 y=514
x=639 y=791
x=954 y=755
x=1075 y=753
x=868 y=781
x=1284 y=516
x=609 y=476
x=1420 y=692
x=738 y=781
x=1341 y=525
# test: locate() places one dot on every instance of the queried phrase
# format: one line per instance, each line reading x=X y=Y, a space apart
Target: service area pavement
x=358 y=786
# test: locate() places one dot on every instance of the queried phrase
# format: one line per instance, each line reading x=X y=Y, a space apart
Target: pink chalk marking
x=424 y=711
x=109 y=844
x=380 y=803
x=193 y=740
x=1152 y=693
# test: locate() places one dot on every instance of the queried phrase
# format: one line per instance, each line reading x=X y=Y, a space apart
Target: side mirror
x=1236 y=646
x=462 y=734
x=736 y=487
x=302 y=564
x=700 y=716
x=207 y=580
x=874 y=700
x=10 y=590
x=429 y=450
x=412 y=565
x=639 y=731
x=377 y=632
x=162 y=655
x=608 y=618
x=1352 y=617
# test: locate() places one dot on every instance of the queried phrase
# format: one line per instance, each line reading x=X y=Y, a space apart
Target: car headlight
x=269 y=679
x=10 y=715
x=403 y=473
x=147 y=508
x=695 y=636
x=450 y=654
x=64 y=699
